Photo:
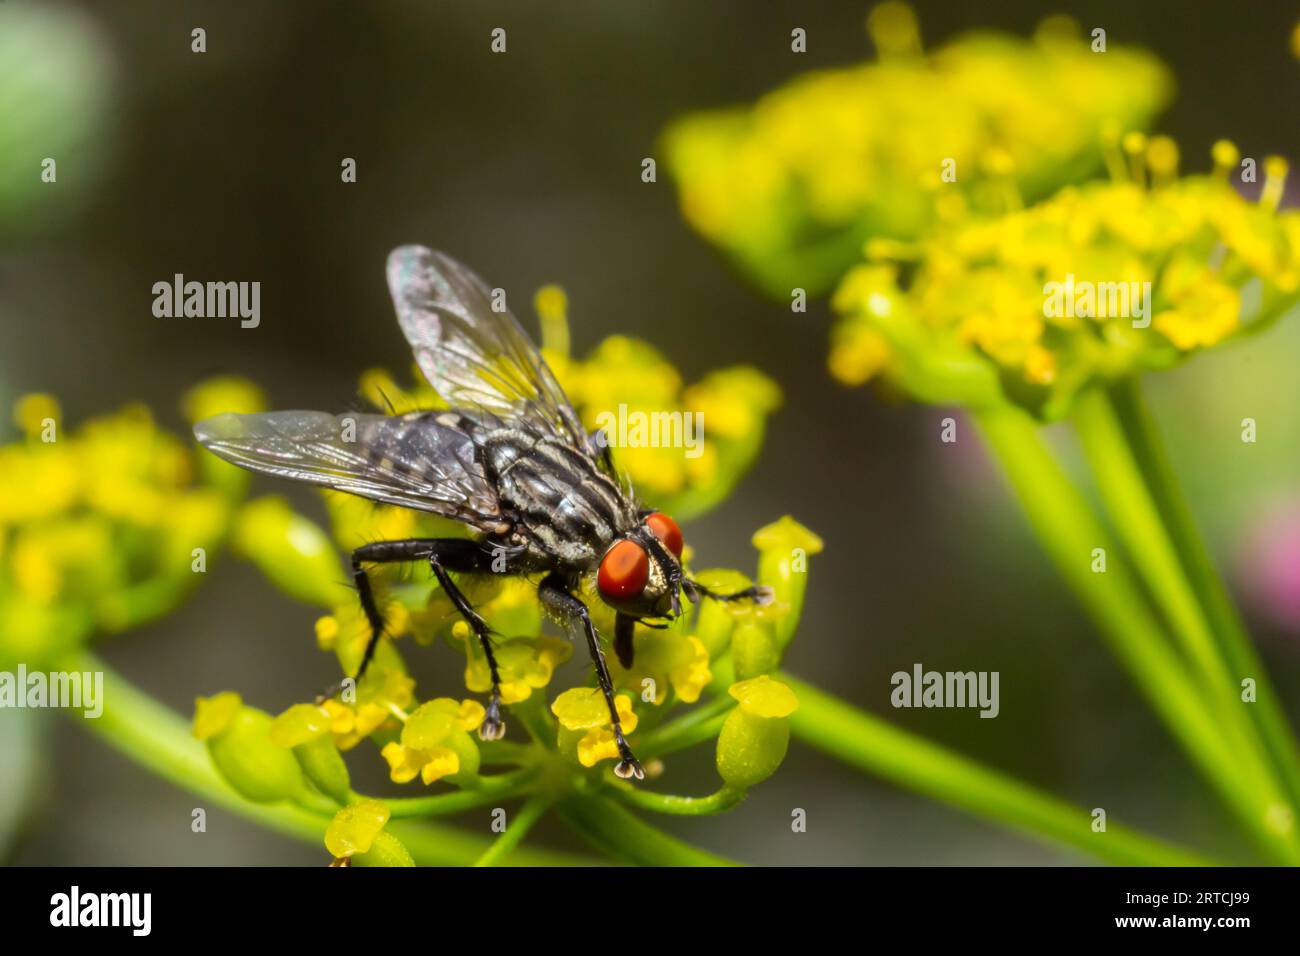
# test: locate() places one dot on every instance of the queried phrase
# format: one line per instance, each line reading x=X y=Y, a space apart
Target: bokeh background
x=225 y=165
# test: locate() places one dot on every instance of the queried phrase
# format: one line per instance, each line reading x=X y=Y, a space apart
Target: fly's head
x=641 y=573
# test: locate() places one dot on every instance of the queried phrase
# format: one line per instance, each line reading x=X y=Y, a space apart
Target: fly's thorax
x=558 y=496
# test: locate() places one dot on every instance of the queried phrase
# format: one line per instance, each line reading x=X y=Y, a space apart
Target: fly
x=509 y=459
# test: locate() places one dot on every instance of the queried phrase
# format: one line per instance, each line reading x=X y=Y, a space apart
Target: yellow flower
x=552 y=307
x=327 y=632
x=354 y=828
x=523 y=663
x=382 y=697
x=406 y=763
x=667 y=658
x=596 y=745
x=35 y=413
x=1203 y=315
x=584 y=709
x=343 y=719
x=434 y=741
x=300 y=724
x=792 y=185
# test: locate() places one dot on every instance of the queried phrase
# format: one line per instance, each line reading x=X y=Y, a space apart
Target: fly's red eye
x=666 y=530
x=624 y=571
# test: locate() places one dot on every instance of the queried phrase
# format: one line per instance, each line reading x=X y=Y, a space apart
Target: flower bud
x=714 y=623
x=292 y=551
x=784 y=548
x=305 y=729
x=385 y=850
x=755 y=735
x=239 y=743
x=754 y=649
x=323 y=765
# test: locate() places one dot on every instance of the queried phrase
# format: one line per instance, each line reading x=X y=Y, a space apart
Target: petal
x=764 y=697
x=354 y=828
x=581 y=708
x=300 y=724
x=213 y=714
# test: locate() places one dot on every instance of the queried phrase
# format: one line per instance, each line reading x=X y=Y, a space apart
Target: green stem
x=625 y=836
x=872 y=744
x=533 y=714
x=491 y=790
x=695 y=726
x=670 y=803
x=1226 y=625
x=1155 y=558
x=495 y=753
x=515 y=830
x=1068 y=532
x=158 y=739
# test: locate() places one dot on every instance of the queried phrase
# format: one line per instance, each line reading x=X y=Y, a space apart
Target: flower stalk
x=1226 y=626
x=516 y=829
x=721 y=800
x=871 y=744
x=1069 y=532
x=158 y=739
x=1155 y=558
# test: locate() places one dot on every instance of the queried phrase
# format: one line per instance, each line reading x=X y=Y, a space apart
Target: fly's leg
x=380 y=552
x=758 y=593
x=553 y=592
x=443 y=555
x=493 y=727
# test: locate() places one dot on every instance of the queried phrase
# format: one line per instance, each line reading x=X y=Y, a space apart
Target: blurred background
x=225 y=165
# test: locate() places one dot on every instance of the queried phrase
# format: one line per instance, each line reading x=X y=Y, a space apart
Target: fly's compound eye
x=624 y=571
x=666 y=530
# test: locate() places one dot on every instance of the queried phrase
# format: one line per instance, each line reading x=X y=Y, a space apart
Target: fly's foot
x=763 y=595
x=629 y=766
x=493 y=727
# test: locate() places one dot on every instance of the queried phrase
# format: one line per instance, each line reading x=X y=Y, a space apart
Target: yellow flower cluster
x=794 y=184
x=1093 y=283
x=103 y=526
x=728 y=650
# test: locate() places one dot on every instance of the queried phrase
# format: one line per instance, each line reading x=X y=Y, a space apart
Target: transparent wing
x=409 y=460
x=475 y=358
